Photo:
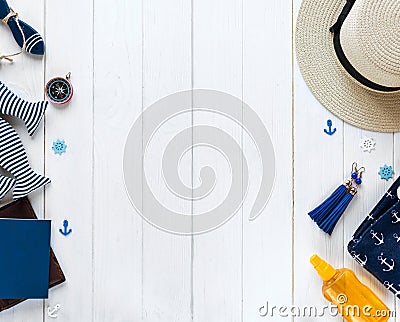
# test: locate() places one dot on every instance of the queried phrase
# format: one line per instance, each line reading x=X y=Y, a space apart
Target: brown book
x=22 y=209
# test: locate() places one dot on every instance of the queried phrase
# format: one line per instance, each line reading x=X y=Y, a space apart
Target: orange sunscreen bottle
x=355 y=301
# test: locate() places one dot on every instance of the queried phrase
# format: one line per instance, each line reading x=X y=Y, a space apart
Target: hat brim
x=328 y=80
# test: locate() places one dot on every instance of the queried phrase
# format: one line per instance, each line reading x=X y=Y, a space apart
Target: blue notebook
x=24 y=258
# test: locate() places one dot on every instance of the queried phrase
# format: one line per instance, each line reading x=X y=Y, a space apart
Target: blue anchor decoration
x=329 y=132
x=65 y=232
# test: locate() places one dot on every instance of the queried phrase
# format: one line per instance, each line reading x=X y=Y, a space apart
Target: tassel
x=329 y=224
x=327 y=214
x=323 y=211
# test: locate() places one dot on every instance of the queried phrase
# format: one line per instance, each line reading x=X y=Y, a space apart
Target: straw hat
x=349 y=55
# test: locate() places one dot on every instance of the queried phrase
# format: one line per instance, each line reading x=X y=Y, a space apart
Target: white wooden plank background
x=124 y=56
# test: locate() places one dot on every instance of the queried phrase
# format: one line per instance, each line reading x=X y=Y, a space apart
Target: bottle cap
x=324 y=270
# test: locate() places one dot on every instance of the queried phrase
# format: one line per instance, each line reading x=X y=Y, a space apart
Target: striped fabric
x=14 y=160
x=6 y=184
x=30 y=113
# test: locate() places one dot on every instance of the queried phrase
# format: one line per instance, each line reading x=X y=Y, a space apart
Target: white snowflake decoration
x=367 y=144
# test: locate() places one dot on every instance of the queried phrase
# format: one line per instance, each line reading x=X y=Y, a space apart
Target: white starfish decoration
x=367 y=144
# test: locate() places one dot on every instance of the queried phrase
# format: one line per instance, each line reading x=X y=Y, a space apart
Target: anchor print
x=375 y=236
x=383 y=261
x=396 y=218
x=358 y=258
x=389 y=195
x=370 y=217
x=397 y=237
x=390 y=287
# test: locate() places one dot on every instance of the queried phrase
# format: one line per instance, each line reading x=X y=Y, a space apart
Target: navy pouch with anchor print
x=376 y=243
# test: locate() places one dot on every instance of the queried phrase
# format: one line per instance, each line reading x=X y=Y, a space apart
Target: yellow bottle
x=355 y=301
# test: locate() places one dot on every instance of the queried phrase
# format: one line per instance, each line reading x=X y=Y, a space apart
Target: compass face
x=59 y=90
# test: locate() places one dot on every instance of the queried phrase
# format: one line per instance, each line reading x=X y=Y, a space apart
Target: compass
x=59 y=90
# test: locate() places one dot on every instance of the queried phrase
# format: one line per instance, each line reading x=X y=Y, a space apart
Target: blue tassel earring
x=329 y=212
